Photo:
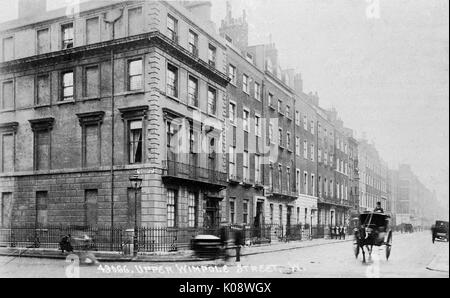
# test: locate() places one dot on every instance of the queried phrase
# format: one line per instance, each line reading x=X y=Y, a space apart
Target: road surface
x=411 y=255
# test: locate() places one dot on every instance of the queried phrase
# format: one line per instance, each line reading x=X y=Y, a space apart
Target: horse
x=364 y=237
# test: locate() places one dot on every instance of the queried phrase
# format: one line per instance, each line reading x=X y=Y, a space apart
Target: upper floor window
x=43 y=41
x=8 y=48
x=92 y=30
x=245 y=84
x=312 y=126
x=271 y=132
x=232 y=74
x=280 y=177
x=257 y=168
x=172 y=28
x=249 y=57
x=245 y=118
x=279 y=106
x=135 y=141
x=135 y=21
x=92 y=81
x=67 y=86
x=42 y=141
x=212 y=100
x=305 y=123
x=232 y=161
x=232 y=112
x=280 y=137
x=305 y=183
x=305 y=149
x=257 y=126
x=7 y=152
x=212 y=53
x=271 y=99
x=43 y=89
x=288 y=140
x=135 y=75
x=288 y=111
x=193 y=43
x=172 y=80
x=7 y=95
x=297 y=118
x=67 y=35
x=257 y=91
x=246 y=163
x=193 y=91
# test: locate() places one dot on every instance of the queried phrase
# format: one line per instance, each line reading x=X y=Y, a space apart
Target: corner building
x=70 y=142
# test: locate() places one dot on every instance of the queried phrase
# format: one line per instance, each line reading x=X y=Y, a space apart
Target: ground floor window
x=245 y=212
x=192 y=209
x=172 y=208
x=232 y=211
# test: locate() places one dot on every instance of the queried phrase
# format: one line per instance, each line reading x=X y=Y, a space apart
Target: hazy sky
x=386 y=72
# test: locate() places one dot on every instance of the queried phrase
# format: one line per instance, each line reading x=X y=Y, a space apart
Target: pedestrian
x=224 y=241
x=238 y=241
x=65 y=244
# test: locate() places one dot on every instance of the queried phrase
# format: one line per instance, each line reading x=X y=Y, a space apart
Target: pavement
x=440 y=262
x=180 y=256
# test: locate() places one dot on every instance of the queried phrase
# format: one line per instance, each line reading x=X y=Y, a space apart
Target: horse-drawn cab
x=373 y=230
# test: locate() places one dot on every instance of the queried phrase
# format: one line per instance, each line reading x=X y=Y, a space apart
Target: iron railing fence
x=150 y=239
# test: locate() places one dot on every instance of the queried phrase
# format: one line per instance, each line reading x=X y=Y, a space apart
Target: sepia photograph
x=198 y=141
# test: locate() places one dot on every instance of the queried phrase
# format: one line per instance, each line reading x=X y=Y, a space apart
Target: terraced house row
x=217 y=129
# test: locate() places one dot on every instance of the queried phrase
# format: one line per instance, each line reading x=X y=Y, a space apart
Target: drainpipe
x=116 y=16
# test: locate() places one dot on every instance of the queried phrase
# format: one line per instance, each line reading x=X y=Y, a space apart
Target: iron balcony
x=178 y=172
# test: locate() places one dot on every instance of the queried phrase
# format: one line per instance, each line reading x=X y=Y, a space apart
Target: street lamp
x=136 y=182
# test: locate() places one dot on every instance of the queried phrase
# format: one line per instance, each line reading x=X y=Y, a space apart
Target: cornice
x=9 y=126
x=42 y=124
x=134 y=112
x=91 y=118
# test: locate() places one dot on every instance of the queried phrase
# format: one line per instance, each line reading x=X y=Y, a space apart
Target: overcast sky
x=385 y=70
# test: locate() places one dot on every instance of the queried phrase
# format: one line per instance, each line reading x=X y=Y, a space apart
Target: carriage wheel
x=388 y=245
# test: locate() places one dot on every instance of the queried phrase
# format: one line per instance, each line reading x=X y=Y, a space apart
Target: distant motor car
x=440 y=230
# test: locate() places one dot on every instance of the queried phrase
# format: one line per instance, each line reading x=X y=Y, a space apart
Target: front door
x=212 y=216
x=288 y=220
x=259 y=218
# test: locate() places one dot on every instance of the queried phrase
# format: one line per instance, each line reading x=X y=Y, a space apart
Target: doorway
x=212 y=214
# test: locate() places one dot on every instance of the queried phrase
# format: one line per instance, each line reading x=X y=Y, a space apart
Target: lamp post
x=136 y=182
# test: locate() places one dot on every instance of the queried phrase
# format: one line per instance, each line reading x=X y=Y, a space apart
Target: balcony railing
x=194 y=173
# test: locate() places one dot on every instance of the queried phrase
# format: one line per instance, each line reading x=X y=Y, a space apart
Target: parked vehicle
x=440 y=230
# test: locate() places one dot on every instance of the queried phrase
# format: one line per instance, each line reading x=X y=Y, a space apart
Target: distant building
x=373 y=177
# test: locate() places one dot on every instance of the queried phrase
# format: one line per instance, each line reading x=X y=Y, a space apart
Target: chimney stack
x=201 y=9
x=29 y=8
x=298 y=83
